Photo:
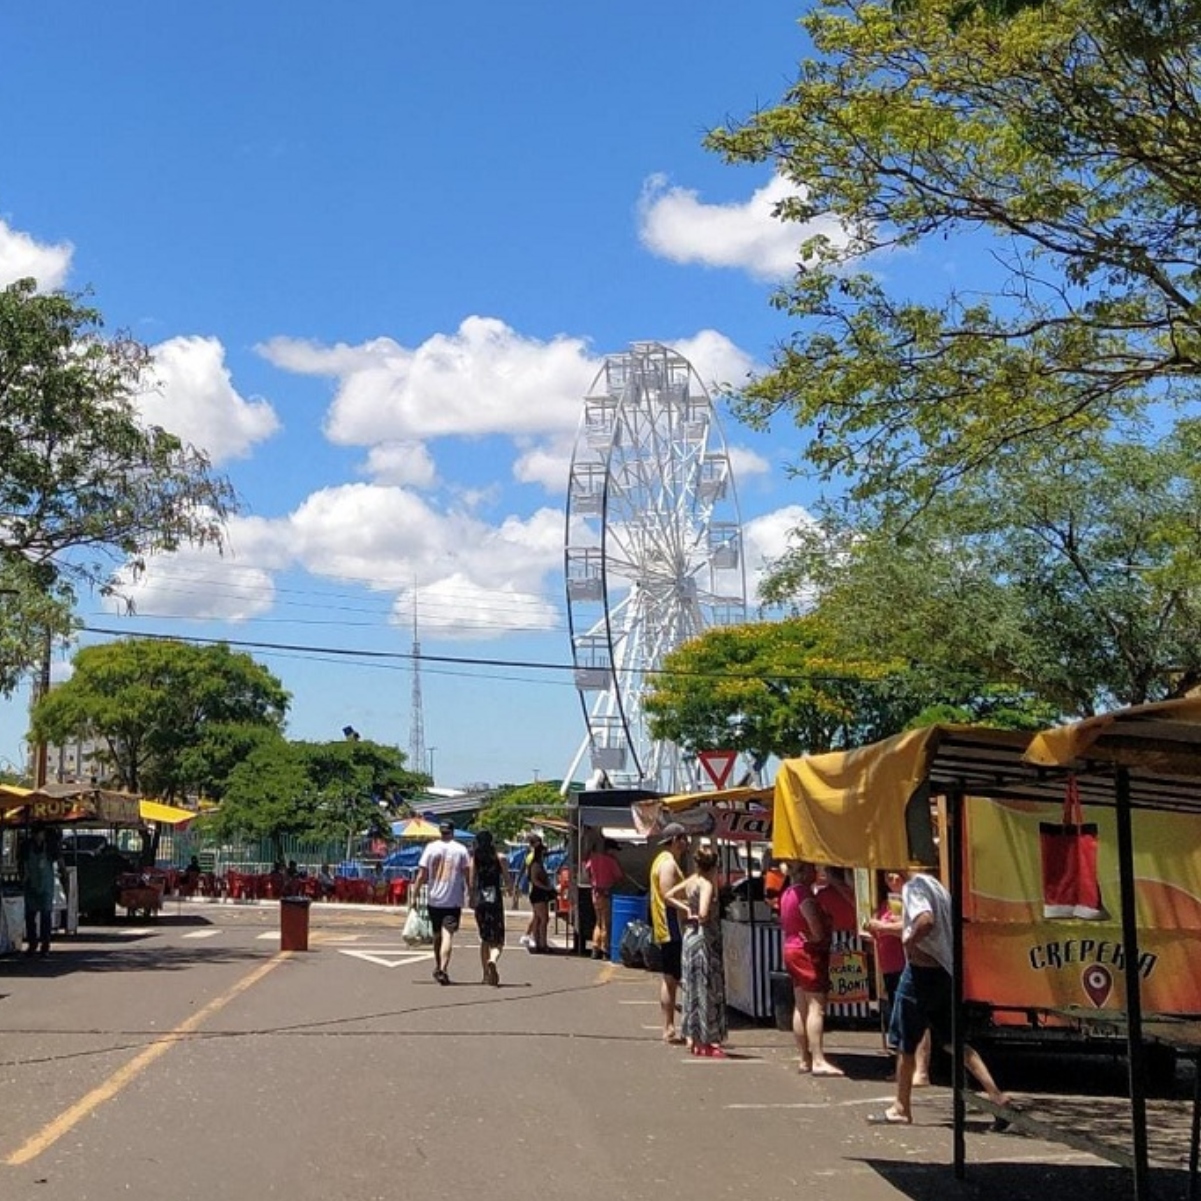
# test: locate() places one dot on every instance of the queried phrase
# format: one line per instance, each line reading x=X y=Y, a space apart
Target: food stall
x=738 y=823
x=64 y=807
x=1073 y=860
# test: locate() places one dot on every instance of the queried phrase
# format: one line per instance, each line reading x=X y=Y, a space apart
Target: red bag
x=1069 y=863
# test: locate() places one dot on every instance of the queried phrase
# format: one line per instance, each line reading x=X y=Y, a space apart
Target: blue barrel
x=627 y=908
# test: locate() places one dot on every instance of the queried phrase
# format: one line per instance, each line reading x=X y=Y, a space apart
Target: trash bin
x=294 y=923
x=626 y=908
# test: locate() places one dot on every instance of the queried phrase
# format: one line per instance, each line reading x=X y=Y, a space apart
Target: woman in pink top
x=807 y=960
x=604 y=873
x=884 y=929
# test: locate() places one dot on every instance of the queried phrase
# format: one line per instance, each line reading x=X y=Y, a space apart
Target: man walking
x=443 y=866
x=666 y=873
x=923 y=997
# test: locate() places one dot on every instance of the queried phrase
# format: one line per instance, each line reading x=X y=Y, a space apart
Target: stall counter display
x=752 y=951
x=12 y=923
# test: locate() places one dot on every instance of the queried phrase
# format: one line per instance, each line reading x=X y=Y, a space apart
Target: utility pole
x=41 y=689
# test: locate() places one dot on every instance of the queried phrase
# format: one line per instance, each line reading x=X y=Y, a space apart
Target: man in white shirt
x=923 y=997
x=443 y=866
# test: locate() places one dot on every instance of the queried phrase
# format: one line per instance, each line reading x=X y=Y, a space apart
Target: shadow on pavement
x=1005 y=1181
x=136 y=956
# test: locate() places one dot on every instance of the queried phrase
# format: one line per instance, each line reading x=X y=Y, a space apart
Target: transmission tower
x=417 y=754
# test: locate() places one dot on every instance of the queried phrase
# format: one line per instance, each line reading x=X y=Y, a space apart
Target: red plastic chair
x=398 y=891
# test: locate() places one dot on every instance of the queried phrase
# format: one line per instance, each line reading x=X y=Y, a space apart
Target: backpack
x=635 y=938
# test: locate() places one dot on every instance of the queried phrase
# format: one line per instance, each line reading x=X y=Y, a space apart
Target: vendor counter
x=753 y=951
x=12 y=914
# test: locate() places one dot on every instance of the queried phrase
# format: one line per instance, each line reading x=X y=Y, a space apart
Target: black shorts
x=671 y=953
x=444 y=919
x=541 y=896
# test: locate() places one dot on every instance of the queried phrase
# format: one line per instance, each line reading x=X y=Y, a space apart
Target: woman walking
x=702 y=972
x=807 y=960
x=487 y=879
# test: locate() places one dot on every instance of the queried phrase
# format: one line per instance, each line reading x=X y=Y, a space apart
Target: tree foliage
x=517 y=807
x=793 y=687
x=85 y=486
x=1061 y=141
x=169 y=718
x=1075 y=580
x=331 y=790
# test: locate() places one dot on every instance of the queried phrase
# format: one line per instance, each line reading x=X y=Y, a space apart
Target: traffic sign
x=718 y=765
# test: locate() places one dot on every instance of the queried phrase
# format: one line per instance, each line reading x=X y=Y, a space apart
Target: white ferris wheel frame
x=652 y=553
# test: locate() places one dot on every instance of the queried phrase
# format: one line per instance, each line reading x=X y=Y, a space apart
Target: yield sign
x=718 y=765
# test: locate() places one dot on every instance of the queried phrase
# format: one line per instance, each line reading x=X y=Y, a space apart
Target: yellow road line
x=66 y=1121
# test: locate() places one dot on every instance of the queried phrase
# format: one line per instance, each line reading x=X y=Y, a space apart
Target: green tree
x=170 y=718
x=85 y=486
x=1074 y=579
x=332 y=790
x=784 y=688
x=1061 y=142
x=515 y=808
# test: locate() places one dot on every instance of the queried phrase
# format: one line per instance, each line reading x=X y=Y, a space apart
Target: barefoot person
x=443 y=865
x=923 y=997
x=665 y=923
x=806 y=934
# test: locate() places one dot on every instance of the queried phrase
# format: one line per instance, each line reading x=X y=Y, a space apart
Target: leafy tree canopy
x=1063 y=139
x=1075 y=579
x=170 y=718
x=793 y=687
x=315 y=790
x=517 y=807
x=85 y=486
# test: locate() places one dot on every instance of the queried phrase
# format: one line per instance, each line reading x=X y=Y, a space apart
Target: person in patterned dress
x=703 y=1023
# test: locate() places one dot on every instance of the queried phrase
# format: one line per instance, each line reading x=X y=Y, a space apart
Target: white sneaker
x=526 y=941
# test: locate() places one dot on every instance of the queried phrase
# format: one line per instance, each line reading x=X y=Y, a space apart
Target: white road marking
x=203 y=933
x=140 y=930
x=638 y=1002
x=399 y=960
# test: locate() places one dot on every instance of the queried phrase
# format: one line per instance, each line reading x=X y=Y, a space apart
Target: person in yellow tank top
x=666 y=873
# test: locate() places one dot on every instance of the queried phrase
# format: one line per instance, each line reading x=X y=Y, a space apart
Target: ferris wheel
x=653 y=553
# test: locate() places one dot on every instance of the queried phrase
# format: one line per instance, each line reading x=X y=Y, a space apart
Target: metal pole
x=1134 y=1001
x=958 y=1062
x=43 y=687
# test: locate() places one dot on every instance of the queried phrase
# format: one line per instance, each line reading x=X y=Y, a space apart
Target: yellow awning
x=169 y=815
x=848 y=807
x=744 y=794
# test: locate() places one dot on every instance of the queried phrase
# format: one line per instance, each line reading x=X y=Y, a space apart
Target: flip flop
x=888 y=1118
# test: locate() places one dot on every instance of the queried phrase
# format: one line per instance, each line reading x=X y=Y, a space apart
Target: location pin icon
x=1098 y=983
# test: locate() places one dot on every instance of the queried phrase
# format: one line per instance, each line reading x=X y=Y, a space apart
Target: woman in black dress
x=487 y=881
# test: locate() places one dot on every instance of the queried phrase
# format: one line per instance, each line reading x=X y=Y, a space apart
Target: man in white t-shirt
x=443 y=867
x=923 y=998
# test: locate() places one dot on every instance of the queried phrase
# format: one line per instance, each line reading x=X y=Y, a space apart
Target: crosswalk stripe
x=203 y=933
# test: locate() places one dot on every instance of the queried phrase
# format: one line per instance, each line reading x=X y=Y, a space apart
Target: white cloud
x=746 y=463
x=765 y=539
x=21 y=256
x=547 y=463
x=196 y=400
x=198 y=582
x=458 y=607
x=718 y=361
x=675 y=224
x=401 y=463
x=483 y=379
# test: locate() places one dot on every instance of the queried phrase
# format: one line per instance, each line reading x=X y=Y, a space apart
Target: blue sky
x=379 y=251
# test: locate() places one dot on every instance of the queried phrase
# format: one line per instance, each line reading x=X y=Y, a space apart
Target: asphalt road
x=190 y=1058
